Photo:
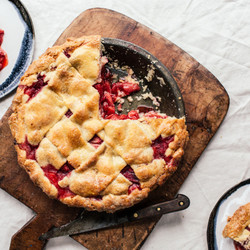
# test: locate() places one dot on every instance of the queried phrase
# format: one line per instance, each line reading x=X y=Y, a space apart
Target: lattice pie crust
x=74 y=153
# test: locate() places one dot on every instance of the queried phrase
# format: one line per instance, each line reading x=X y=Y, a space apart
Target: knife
x=91 y=221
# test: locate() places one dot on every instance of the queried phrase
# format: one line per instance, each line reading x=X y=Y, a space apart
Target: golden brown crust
x=69 y=71
x=238 y=222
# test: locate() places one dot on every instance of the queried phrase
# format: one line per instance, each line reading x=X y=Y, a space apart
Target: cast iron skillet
x=139 y=60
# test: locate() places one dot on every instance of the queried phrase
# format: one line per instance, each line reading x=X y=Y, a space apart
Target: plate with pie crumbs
x=16 y=44
x=235 y=199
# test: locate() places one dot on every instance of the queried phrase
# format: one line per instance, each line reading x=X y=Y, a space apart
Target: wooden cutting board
x=206 y=103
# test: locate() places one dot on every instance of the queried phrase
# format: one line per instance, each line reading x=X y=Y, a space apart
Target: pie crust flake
x=238 y=227
x=72 y=142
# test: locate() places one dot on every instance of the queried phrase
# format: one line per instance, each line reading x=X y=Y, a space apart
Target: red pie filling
x=109 y=93
x=1 y=36
x=35 y=88
x=129 y=173
x=153 y=114
x=160 y=145
x=3 y=59
x=3 y=55
x=238 y=246
x=98 y=197
x=29 y=149
x=96 y=141
x=55 y=176
x=66 y=53
x=50 y=172
x=132 y=115
x=121 y=89
x=68 y=113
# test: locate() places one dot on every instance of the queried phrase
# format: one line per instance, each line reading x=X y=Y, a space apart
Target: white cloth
x=216 y=33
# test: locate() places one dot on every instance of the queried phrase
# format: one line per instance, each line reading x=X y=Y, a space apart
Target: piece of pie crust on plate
x=72 y=142
x=238 y=227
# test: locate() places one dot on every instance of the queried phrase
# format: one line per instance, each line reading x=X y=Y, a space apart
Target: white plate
x=18 y=43
x=234 y=198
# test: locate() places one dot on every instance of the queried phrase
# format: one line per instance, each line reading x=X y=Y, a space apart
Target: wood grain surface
x=206 y=103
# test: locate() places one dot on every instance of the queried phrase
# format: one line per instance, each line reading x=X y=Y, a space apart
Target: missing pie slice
x=72 y=142
x=238 y=228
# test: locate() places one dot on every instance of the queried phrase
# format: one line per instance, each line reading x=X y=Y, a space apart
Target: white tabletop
x=217 y=34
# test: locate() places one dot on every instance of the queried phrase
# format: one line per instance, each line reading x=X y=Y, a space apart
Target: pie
x=238 y=228
x=75 y=145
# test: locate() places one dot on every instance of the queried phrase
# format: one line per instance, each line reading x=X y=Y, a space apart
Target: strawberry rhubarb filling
x=54 y=175
x=3 y=54
x=129 y=173
x=96 y=141
x=29 y=149
x=111 y=92
x=35 y=88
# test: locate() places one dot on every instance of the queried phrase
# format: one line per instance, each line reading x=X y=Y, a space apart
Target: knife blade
x=91 y=221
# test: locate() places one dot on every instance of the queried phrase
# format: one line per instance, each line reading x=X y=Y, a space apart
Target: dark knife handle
x=180 y=202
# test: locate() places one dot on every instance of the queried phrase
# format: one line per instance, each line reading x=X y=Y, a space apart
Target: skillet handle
x=180 y=202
